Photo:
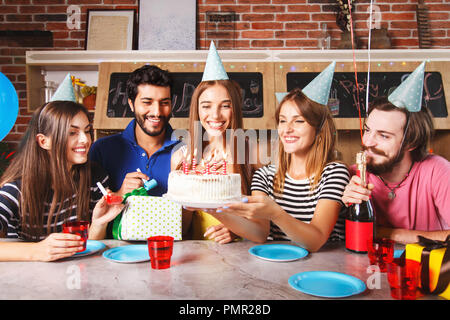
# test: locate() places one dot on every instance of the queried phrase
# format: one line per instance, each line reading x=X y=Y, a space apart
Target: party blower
x=148 y=184
x=110 y=198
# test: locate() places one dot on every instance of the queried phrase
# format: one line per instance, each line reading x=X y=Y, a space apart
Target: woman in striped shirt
x=300 y=199
x=49 y=182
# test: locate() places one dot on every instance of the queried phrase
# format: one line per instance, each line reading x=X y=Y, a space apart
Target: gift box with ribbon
x=147 y=216
x=434 y=257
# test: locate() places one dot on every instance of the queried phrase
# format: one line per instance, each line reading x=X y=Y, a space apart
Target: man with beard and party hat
x=408 y=187
x=146 y=143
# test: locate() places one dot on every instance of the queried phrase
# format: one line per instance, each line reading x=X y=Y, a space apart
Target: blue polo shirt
x=120 y=154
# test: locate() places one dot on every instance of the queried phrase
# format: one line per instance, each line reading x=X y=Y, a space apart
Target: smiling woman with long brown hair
x=50 y=181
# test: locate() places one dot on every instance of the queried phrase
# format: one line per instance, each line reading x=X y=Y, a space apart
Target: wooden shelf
x=276 y=63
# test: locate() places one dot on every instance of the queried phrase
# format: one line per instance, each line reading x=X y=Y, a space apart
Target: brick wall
x=259 y=24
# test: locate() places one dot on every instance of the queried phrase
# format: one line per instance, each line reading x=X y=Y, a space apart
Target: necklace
x=391 y=194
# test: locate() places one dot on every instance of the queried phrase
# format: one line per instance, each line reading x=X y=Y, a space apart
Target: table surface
x=200 y=270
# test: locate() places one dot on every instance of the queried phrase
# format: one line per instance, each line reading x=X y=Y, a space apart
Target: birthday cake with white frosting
x=203 y=188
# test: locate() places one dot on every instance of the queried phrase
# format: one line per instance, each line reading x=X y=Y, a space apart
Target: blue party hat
x=65 y=90
x=318 y=89
x=409 y=93
x=214 y=69
x=280 y=96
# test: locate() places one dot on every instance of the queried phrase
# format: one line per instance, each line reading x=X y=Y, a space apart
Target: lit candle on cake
x=202 y=164
x=213 y=166
x=185 y=162
x=224 y=169
x=208 y=164
x=194 y=161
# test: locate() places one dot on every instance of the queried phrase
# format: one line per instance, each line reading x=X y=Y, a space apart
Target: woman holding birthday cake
x=300 y=198
x=216 y=106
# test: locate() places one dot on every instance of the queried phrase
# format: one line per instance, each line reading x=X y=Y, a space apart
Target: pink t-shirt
x=422 y=201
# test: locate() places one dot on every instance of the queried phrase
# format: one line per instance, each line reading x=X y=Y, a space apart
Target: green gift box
x=146 y=216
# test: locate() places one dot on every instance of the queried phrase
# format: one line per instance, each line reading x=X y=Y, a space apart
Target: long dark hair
x=43 y=172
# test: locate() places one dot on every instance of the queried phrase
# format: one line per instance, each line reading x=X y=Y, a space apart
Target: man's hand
x=354 y=192
x=133 y=180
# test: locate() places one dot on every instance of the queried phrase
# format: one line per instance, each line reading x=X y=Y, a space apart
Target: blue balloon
x=9 y=106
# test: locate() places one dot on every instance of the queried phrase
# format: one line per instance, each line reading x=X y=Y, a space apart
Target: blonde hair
x=322 y=149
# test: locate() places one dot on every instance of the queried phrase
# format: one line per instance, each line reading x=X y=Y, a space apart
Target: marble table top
x=200 y=270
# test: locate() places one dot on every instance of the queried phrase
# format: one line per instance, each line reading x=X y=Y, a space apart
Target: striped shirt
x=10 y=216
x=299 y=201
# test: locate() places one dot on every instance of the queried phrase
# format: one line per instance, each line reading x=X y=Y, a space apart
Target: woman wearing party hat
x=51 y=182
x=299 y=199
x=409 y=188
x=216 y=106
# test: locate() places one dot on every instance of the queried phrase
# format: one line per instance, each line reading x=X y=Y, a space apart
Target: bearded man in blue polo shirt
x=146 y=142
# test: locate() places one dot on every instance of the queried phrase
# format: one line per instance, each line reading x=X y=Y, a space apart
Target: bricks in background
x=262 y=24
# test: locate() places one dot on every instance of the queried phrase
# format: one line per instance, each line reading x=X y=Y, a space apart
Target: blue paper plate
x=92 y=246
x=398 y=253
x=278 y=252
x=327 y=284
x=128 y=254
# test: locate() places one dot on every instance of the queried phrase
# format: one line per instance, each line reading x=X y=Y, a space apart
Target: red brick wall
x=261 y=24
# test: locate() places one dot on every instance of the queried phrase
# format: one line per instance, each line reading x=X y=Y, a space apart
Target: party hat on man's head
x=65 y=90
x=409 y=93
x=280 y=96
x=318 y=89
x=214 y=69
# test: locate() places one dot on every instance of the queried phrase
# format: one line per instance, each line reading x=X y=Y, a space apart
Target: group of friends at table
x=302 y=197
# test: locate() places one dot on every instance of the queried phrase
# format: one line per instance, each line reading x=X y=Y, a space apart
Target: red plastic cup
x=403 y=278
x=160 y=251
x=80 y=228
x=113 y=199
x=380 y=252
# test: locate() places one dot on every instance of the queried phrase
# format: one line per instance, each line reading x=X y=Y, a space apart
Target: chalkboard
x=184 y=84
x=343 y=96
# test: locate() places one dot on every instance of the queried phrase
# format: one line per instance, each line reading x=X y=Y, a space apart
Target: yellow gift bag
x=434 y=257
